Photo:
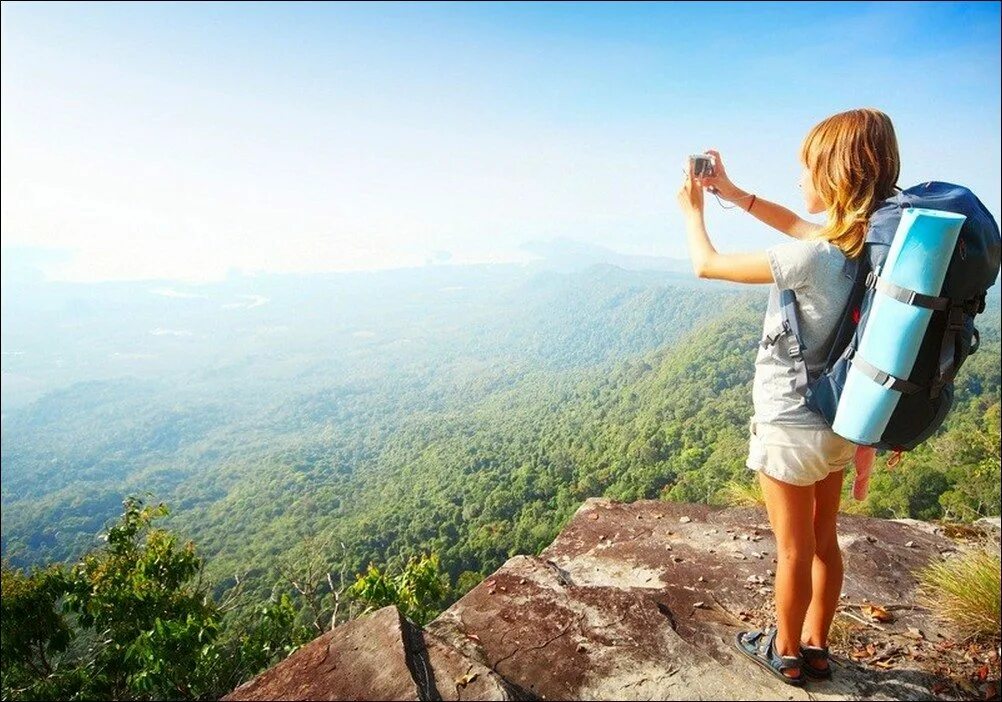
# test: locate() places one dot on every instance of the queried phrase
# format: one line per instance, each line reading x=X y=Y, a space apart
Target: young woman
x=850 y=163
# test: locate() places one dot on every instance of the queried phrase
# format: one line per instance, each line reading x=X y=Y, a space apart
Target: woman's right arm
x=776 y=216
x=771 y=213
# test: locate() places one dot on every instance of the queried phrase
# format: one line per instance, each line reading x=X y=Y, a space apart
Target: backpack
x=927 y=393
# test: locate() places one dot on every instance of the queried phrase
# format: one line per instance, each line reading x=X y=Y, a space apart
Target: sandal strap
x=785 y=662
x=806 y=647
x=814 y=653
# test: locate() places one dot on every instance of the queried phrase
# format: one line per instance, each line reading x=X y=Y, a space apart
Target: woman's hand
x=690 y=196
x=720 y=182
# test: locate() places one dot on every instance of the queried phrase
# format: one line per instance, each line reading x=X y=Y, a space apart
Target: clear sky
x=184 y=140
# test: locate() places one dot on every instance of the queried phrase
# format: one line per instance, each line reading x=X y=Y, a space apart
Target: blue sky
x=185 y=140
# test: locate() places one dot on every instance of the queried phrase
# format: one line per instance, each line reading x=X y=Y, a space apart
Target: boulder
x=379 y=656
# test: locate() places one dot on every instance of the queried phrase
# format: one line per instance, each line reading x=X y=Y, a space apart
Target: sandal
x=816 y=653
x=760 y=646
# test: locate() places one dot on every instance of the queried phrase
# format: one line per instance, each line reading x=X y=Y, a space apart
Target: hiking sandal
x=760 y=646
x=816 y=653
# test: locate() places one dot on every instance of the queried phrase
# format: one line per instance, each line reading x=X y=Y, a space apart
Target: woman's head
x=850 y=164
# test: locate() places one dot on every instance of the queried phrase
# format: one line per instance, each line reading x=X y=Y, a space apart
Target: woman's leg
x=826 y=574
x=791 y=510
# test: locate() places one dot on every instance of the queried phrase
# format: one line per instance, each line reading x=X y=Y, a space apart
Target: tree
x=132 y=620
x=417 y=590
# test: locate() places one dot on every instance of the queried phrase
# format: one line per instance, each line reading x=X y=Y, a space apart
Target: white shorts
x=797 y=455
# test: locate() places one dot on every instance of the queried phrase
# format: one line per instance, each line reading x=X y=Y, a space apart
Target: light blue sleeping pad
x=917 y=260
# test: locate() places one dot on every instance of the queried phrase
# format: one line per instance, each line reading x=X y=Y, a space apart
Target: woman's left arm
x=706 y=261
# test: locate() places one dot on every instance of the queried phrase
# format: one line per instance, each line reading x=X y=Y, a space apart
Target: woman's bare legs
x=791 y=514
x=826 y=573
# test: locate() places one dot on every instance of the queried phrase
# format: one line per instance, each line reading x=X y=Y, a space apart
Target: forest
x=408 y=485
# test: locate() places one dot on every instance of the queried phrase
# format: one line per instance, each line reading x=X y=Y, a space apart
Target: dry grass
x=841 y=633
x=965 y=592
x=737 y=493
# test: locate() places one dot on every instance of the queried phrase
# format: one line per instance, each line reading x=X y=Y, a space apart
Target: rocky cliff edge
x=641 y=601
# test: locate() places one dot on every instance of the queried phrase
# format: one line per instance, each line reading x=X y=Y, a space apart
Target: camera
x=702 y=165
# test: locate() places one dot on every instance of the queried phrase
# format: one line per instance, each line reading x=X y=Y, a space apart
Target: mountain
x=479 y=444
x=566 y=255
x=344 y=360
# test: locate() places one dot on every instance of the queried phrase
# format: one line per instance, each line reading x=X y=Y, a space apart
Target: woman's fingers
x=718 y=162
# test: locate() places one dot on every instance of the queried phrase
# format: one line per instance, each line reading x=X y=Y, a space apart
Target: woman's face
x=811 y=198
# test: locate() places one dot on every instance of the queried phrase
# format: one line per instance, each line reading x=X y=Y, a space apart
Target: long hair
x=854 y=164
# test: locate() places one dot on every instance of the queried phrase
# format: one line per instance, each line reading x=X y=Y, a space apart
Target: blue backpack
x=927 y=393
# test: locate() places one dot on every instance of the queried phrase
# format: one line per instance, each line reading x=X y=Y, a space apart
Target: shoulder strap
x=789 y=328
x=795 y=343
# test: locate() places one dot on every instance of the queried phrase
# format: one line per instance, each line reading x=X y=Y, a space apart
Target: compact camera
x=702 y=165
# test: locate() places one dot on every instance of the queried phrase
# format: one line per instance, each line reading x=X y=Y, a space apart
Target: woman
x=850 y=163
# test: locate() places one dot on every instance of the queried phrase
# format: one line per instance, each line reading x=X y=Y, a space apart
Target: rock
x=606 y=615
x=989 y=524
x=632 y=650
x=684 y=520
x=378 y=656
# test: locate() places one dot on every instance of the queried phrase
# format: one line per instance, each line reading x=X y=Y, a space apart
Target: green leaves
x=416 y=590
x=146 y=628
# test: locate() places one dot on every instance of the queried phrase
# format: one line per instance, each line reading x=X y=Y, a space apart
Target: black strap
x=905 y=295
x=882 y=378
x=795 y=343
x=790 y=328
x=947 y=367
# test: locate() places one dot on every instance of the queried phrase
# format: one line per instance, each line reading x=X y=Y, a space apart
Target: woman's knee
x=796 y=551
x=826 y=543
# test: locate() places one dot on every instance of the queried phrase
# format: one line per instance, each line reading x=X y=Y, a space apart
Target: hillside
x=477 y=458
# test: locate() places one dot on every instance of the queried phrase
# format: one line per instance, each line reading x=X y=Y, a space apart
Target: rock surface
x=630 y=601
x=381 y=656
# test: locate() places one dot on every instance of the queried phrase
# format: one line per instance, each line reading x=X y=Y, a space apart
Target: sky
x=190 y=141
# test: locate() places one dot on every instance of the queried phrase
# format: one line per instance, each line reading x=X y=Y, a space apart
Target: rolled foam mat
x=918 y=259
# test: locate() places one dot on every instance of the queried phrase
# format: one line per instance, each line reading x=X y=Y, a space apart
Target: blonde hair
x=854 y=164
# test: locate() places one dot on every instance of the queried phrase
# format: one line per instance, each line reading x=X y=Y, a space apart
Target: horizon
x=190 y=142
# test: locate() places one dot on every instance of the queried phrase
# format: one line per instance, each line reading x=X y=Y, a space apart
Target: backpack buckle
x=794 y=349
x=871 y=280
x=955 y=321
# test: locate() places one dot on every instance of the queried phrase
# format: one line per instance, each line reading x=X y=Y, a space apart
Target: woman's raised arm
x=707 y=262
x=771 y=213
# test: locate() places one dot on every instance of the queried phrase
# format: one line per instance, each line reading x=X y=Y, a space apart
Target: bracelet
x=752 y=203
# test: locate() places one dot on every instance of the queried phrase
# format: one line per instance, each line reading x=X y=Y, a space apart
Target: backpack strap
x=905 y=295
x=956 y=313
x=789 y=327
x=891 y=382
